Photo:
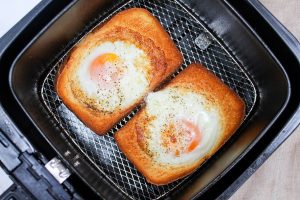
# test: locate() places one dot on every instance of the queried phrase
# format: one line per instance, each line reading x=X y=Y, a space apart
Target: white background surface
x=11 y=11
x=279 y=177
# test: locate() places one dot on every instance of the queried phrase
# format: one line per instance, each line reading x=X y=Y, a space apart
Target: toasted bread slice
x=181 y=126
x=159 y=59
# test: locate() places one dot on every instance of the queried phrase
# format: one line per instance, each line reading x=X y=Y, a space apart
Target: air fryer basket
x=197 y=44
x=209 y=32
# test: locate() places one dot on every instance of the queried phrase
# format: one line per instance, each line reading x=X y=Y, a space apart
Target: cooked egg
x=183 y=126
x=114 y=75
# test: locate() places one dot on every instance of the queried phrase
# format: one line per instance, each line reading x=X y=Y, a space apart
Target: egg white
x=131 y=86
x=171 y=103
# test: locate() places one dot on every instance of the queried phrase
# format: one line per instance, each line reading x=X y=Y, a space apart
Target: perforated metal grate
x=197 y=45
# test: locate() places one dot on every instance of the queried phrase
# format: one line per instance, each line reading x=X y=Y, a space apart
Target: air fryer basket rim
x=295 y=122
x=239 y=156
x=273 y=120
x=21 y=102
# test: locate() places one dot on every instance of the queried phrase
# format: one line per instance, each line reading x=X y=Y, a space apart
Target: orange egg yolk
x=193 y=133
x=181 y=137
x=105 y=69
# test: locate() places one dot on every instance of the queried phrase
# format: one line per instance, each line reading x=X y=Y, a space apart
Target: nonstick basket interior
x=197 y=44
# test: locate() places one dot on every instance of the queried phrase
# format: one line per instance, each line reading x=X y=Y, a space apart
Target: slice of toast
x=134 y=26
x=163 y=153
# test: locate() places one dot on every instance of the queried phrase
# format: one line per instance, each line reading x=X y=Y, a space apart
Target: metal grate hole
x=102 y=150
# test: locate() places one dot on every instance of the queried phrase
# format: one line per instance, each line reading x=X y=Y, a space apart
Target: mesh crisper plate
x=197 y=45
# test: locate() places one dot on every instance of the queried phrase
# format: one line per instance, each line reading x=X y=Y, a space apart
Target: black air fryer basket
x=240 y=42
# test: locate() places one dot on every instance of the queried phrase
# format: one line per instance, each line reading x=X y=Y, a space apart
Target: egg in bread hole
x=112 y=68
x=179 y=126
x=113 y=75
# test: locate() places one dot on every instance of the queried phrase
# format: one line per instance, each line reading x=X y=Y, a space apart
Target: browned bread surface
x=197 y=79
x=136 y=26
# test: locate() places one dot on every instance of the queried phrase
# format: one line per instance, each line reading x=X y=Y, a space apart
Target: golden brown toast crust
x=156 y=43
x=197 y=79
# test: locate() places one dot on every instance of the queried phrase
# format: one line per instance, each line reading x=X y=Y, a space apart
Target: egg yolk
x=105 y=69
x=193 y=133
x=182 y=137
